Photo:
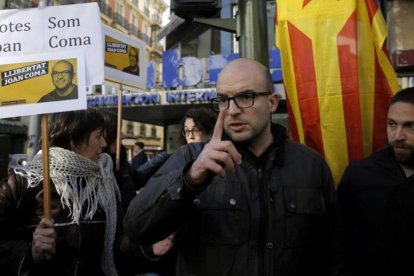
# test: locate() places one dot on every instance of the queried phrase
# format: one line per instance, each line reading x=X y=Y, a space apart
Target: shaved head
x=242 y=68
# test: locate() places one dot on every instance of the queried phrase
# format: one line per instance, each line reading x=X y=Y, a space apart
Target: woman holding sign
x=79 y=240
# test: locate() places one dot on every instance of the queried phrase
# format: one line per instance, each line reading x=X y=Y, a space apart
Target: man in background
x=396 y=240
x=139 y=155
x=366 y=187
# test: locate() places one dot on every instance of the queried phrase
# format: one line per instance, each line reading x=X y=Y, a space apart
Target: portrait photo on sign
x=63 y=78
x=121 y=56
x=35 y=84
x=124 y=59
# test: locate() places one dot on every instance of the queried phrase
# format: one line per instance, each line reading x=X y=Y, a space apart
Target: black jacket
x=276 y=215
x=363 y=194
x=124 y=178
x=396 y=242
x=78 y=246
x=139 y=160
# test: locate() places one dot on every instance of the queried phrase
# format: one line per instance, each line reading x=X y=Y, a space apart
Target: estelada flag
x=338 y=76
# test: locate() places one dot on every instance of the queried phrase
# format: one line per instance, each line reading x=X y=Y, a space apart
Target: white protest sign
x=55 y=29
x=125 y=60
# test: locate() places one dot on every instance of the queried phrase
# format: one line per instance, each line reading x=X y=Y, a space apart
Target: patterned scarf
x=82 y=183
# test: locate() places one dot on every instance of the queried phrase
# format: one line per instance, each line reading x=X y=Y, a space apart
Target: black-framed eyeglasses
x=186 y=132
x=63 y=73
x=242 y=100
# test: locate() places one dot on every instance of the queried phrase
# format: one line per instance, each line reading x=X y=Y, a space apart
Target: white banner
x=55 y=29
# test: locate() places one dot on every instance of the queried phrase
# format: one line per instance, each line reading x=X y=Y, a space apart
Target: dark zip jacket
x=363 y=194
x=275 y=215
x=396 y=239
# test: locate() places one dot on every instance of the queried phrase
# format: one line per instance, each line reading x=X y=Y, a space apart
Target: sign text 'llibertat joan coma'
x=24 y=73
x=53 y=41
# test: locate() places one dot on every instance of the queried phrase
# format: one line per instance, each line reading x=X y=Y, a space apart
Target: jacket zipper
x=262 y=222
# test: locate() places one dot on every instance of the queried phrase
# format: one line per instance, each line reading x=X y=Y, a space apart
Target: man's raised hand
x=216 y=157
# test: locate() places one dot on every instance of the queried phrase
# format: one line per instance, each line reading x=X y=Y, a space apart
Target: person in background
x=396 y=169
x=141 y=260
x=80 y=238
x=123 y=175
x=365 y=189
x=198 y=124
x=140 y=157
x=250 y=202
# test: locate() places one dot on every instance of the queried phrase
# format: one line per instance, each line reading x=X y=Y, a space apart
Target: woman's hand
x=44 y=241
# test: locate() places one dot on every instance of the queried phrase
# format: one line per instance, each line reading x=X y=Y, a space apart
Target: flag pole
x=46 y=174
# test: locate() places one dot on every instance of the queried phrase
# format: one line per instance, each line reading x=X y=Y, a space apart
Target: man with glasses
x=133 y=67
x=248 y=201
x=62 y=78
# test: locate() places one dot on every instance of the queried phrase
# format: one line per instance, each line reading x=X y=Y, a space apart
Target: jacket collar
x=275 y=152
x=385 y=159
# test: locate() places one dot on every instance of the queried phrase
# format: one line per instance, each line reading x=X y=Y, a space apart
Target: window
x=401 y=34
x=120 y=9
x=130 y=128
x=142 y=130
x=146 y=7
x=153 y=131
x=133 y=20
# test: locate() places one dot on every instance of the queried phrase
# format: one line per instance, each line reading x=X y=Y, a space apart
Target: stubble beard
x=404 y=154
x=247 y=137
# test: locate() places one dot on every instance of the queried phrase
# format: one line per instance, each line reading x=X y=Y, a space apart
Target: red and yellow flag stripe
x=337 y=75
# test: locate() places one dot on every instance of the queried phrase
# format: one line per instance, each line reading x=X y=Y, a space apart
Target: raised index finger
x=218 y=127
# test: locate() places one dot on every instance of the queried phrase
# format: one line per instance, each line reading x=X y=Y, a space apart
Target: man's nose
x=233 y=107
x=400 y=133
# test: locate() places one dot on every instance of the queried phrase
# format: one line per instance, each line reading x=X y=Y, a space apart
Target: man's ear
x=273 y=102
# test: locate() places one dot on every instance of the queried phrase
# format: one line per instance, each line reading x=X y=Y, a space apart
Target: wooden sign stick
x=118 y=130
x=46 y=171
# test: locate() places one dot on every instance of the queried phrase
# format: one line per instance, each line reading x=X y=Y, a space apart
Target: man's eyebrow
x=404 y=123
x=408 y=123
x=220 y=94
x=246 y=91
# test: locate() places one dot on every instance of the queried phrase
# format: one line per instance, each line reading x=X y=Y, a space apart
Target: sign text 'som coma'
x=53 y=41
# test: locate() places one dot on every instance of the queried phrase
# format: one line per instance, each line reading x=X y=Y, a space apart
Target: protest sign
x=40 y=84
x=125 y=61
x=55 y=29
